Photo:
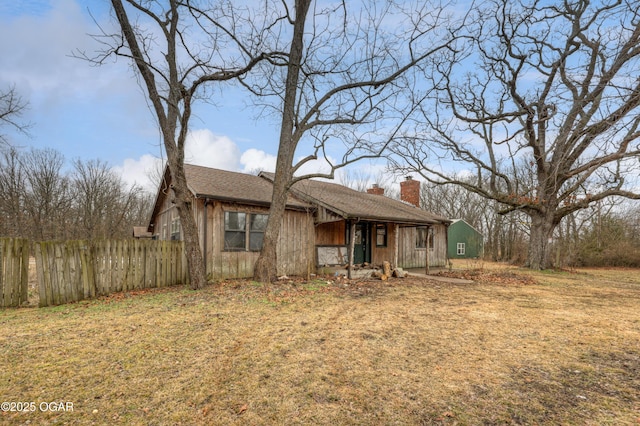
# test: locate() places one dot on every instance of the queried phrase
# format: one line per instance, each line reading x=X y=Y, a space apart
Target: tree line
x=605 y=234
x=45 y=198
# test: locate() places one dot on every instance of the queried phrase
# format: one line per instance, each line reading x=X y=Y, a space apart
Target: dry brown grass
x=514 y=347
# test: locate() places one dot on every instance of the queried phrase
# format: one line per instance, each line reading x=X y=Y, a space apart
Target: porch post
x=352 y=244
x=395 y=255
x=426 y=251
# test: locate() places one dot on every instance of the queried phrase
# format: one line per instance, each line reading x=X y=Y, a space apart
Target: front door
x=362 y=244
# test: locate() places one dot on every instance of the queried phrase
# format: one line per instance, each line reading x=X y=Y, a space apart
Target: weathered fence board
x=14 y=271
x=77 y=270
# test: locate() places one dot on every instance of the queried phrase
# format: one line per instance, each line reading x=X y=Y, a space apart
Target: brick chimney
x=376 y=190
x=410 y=191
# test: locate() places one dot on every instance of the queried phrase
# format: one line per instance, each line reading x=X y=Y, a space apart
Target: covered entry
x=362 y=243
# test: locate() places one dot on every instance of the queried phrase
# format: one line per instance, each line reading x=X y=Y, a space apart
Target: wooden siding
x=295 y=245
x=380 y=254
x=461 y=232
x=298 y=240
x=331 y=234
x=411 y=257
x=167 y=213
x=325 y=216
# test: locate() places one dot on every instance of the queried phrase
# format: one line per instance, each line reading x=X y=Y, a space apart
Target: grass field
x=513 y=347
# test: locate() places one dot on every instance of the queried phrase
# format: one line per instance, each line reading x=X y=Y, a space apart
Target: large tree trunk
x=540 y=240
x=184 y=205
x=168 y=120
x=265 y=268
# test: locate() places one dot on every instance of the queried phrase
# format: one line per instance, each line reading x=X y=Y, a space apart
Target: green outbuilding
x=464 y=241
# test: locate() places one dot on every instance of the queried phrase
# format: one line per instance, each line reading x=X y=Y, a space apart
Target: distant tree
x=139 y=210
x=362 y=179
x=503 y=234
x=347 y=82
x=103 y=205
x=608 y=242
x=39 y=200
x=48 y=199
x=453 y=202
x=542 y=105
x=12 y=108
x=13 y=187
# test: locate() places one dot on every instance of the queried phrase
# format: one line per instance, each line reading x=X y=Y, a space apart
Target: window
x=175 y=228
x=234 y=231
x=244 y=231
x=256 y=235
x=460 y=249
x=421 y=237
x=381 y=235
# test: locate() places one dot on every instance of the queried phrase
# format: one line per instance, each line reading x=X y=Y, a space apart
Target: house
x=465 y=241
x=321 y=219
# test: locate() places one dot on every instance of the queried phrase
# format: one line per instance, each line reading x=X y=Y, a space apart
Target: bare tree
x=609 y=237
x=453 y=202
x=103 y=205
x=348 y=82
x=362 y=179
x=178 y=49
x=13 y=187
x=12 y=108
x=542 y=105
x=39 y=200
x=48 y=199
x=503 y=234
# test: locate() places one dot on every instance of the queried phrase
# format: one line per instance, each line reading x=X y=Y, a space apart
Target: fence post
x=14 y=271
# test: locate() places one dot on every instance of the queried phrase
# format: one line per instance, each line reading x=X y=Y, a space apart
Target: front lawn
x=514 y=347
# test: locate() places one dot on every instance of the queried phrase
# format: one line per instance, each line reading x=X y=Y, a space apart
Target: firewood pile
x=384 y=271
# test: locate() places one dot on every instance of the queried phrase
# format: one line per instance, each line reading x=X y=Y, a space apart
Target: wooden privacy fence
x=76 y=270
x=14 y=271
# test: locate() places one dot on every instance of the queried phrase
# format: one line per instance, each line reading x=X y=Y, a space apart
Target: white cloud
x=204 y=148
x=144 y=171
x=41 y=61
x=256 y=160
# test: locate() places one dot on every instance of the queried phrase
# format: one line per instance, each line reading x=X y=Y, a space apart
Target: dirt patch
x=489 y=276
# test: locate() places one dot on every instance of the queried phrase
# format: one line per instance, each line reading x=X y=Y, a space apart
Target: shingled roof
x=223 y=185
x=232 y=186
x=352 y=204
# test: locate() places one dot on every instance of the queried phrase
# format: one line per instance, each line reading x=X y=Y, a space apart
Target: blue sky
x=89 y=112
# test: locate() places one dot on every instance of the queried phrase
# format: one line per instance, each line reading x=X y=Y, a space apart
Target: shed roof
x=455 y=221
